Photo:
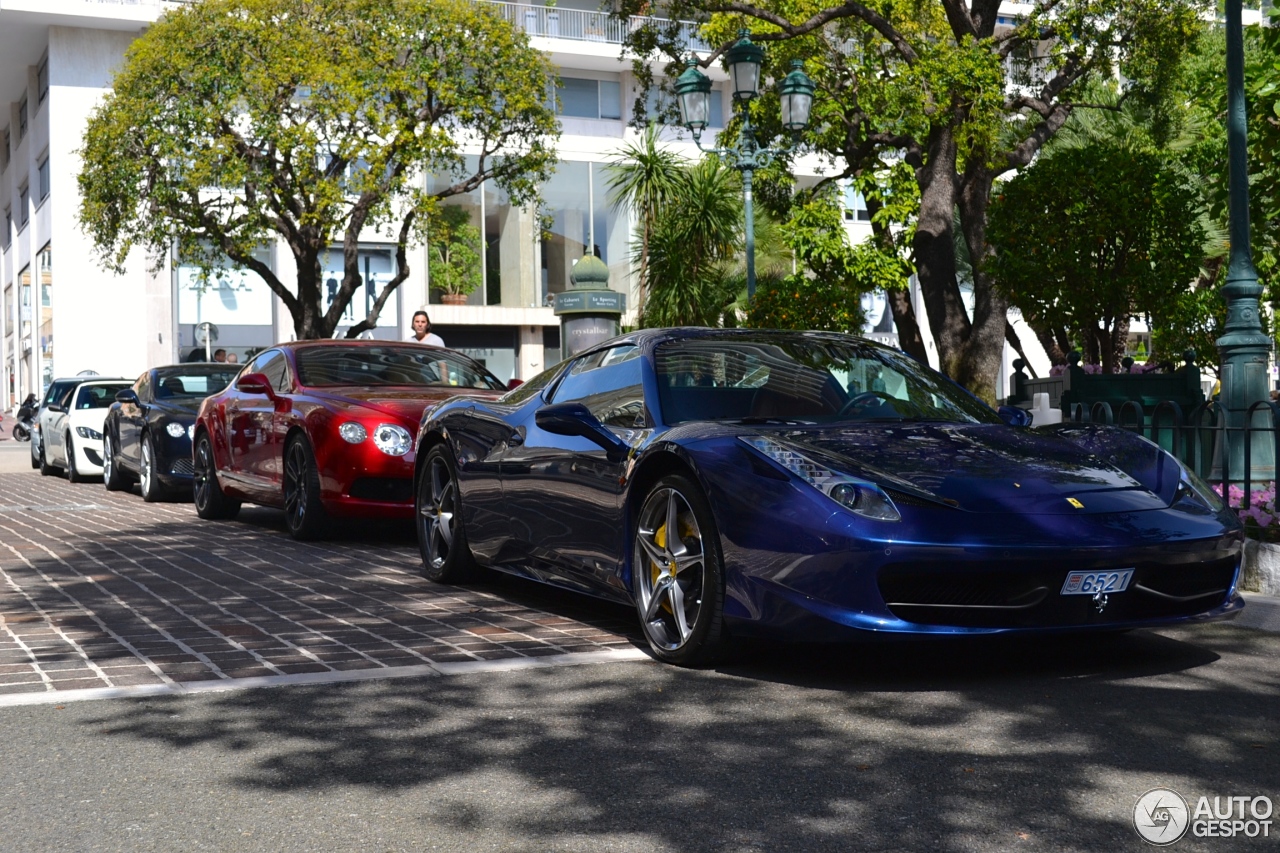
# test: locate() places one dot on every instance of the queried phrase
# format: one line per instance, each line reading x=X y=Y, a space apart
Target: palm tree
x=646 y=178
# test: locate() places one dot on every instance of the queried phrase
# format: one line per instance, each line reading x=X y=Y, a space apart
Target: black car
x=147 y=434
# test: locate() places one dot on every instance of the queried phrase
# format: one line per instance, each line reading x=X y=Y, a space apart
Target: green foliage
x=453 y=246
x=828 y=294
x=1085 y=255
x=234 y=123
x=692 y=245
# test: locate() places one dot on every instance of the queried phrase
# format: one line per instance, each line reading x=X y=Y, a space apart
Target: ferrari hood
x=399 y=402
x=994 y=468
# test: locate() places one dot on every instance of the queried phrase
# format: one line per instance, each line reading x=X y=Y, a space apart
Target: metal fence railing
x=1202 y=438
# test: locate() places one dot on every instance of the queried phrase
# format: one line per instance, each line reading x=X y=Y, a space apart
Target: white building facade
x=63 y=313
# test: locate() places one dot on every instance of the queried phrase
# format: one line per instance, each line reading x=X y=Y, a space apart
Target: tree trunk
x=935 y=253
x=910 y=340
x=979 y=366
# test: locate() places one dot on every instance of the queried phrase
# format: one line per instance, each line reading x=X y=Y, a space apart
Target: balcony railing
x=581 y=25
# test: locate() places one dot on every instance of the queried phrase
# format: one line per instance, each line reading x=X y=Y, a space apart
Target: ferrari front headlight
x=1193 y=486
x=392 y=439
x=857 y=495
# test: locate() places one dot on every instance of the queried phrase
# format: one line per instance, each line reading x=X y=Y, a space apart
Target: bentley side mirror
x=128 y=395
x=1015 y=416
x=576 y=419
x=254 y=383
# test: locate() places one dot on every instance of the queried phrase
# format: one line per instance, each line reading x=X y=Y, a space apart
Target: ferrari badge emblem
x=1075 y=503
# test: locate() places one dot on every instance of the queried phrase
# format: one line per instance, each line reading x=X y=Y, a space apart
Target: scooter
x=26 y=417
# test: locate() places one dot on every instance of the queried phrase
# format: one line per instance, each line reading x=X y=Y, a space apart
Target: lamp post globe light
x=693 y=94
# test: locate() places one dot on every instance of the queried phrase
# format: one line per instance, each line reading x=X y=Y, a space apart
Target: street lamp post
x=693 y=92
x=1243 y=347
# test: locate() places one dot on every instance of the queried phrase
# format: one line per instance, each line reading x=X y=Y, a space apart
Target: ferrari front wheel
x=446 y=557
x=678 y=574
x=211 y=502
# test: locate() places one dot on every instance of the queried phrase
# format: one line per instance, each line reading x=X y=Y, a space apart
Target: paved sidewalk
x=102 y=591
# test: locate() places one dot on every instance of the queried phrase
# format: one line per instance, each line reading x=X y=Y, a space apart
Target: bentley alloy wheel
x=147 y=479
x=677 y=575
x=112 y=477
x=304 y=515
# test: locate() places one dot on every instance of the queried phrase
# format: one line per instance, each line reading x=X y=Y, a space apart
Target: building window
x=855 y=206
x=44 y=178
x=24 y=196
x=4 y=150
x=42 y=80
x=581 y=98
x=8 y=226
x=22 y=118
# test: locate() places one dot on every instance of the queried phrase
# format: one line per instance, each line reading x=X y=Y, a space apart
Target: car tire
x=73 y=473
x=112 y=476
x=304 y=515
x=211 y=502
x=679 y=592
x=46 y=470
x=151 y=487
x=442 y=538
x=35 y=460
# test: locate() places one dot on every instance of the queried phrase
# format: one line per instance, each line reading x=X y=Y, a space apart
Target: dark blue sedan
x=813 y=486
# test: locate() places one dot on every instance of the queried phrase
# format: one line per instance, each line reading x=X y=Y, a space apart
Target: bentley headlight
x=175 y=429
x=392 y=439
x=860 y=496
x=86 y=432
x=353 y=433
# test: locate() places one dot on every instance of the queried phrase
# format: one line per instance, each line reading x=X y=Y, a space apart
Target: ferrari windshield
x=410 y=364
x=805 y=380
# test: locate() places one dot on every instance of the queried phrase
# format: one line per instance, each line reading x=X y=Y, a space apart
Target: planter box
x=1261 y=567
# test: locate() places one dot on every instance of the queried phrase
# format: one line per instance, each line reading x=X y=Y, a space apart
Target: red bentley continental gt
x=324 y=429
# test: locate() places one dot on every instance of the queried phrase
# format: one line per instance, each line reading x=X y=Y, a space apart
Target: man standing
x=422 y=331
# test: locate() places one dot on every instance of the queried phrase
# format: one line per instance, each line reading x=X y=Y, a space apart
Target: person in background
x=232 y=358
x=220 y=355
x=422 y=331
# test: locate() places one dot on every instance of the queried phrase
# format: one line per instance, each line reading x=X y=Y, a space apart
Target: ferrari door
x=563 y=493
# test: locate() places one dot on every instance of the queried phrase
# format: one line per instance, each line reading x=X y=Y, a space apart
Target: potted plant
x=453 y=254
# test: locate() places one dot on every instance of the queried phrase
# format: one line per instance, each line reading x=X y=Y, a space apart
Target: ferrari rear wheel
x=304 y=515
x=152 y=490
x=211 y=502
x=678 y=575
x=446 y=557
x=112 y=476
x=73 y=474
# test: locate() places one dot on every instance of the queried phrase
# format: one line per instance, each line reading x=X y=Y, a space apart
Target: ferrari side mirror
x=576 y=419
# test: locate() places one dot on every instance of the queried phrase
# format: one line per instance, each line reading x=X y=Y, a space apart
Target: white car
x=73 y=438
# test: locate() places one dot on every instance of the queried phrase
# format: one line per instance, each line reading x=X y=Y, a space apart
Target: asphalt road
x=984 y=746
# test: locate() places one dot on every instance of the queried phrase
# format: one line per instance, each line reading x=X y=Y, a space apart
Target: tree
x=933 y=84
x=693 y=245
x=453 y=246
x=1085 y=256
x=234 y=123
x=645 y=177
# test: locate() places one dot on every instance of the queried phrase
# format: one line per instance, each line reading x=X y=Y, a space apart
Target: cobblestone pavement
x=102 y=592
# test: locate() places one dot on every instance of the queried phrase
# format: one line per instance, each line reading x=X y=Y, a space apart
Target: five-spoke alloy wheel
x=112 y=476
x=149 y=483
x=678 y=575
x=446 y=558
x=304 y=515
x=211 y=502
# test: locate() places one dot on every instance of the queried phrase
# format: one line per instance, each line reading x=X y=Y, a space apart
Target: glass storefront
x=377 y=265
x=237 y=305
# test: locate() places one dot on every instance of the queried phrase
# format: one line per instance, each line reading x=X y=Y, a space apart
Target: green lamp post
x=1243 y=347
x=693 y=94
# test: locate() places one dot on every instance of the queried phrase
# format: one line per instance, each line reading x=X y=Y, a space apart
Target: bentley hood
x=405 y=404
x=995 y=468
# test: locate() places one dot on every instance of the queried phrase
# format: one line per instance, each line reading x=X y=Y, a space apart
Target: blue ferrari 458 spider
x=814 y=486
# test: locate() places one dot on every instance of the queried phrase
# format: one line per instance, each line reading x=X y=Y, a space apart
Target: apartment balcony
x=582 y=25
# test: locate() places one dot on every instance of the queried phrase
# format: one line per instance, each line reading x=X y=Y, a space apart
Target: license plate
x=1092 y=583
